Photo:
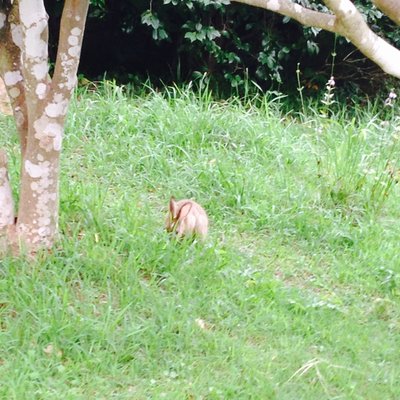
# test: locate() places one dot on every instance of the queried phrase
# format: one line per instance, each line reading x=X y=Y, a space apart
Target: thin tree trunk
x=11 y=71
x=6 y=200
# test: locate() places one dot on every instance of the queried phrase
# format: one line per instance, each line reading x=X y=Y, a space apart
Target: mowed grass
x=295 y=294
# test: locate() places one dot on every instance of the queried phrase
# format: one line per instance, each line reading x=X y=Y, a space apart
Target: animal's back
x=192 y=218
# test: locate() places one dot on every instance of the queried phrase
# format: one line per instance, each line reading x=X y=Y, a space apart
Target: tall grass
x=295 y=295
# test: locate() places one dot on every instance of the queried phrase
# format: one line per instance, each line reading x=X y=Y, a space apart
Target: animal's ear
x=172 y=206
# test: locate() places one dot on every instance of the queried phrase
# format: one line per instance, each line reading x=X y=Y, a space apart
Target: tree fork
x=40 y=106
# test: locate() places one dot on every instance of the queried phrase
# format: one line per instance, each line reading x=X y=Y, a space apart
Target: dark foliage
x=181 y=40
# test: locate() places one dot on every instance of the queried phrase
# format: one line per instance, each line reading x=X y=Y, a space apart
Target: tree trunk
x=6 y=203
x=37 y=222
x=39 y=105
x=6 y=200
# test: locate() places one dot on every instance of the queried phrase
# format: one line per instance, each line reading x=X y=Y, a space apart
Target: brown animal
x=186 y=218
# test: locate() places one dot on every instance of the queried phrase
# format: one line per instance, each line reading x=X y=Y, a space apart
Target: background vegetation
x=180 y=40
x=294 y=295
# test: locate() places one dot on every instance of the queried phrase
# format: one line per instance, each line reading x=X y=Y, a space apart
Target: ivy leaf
x=191 y=36
x=212 y=33
x=150 y=19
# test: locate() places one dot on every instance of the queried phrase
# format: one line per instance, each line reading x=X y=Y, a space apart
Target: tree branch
x=346 y=21
x=350 y=23
x=391 y=8
x=297 y=12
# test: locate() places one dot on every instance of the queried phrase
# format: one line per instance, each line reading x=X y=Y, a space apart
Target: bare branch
x=391 y=8
x=350 y=23
x=347 y=21
x=295 y=11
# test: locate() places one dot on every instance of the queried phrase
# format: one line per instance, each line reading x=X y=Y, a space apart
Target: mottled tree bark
x=40 y=105
x=5 y=107
x=6 y=200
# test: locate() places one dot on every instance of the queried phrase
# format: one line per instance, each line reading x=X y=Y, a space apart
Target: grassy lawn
x=295 y=294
